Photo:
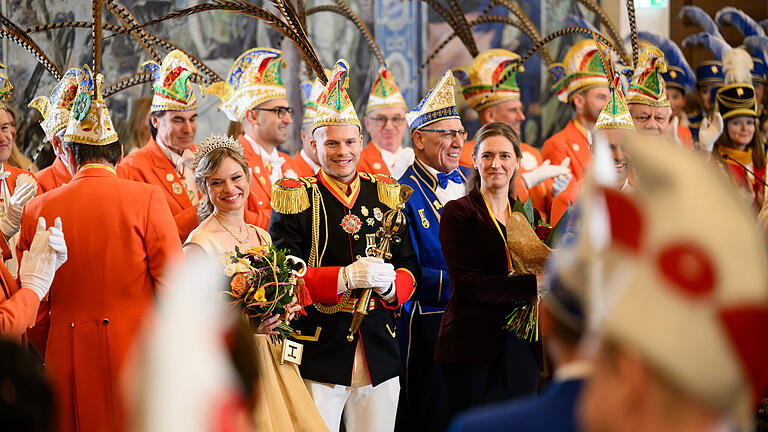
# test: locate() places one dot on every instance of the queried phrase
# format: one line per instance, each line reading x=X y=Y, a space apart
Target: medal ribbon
x=498 y=228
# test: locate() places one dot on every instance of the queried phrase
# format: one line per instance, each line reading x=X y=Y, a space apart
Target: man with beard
x=385 y=121
x=255 y=96
x=330 y=220
x=586 y=89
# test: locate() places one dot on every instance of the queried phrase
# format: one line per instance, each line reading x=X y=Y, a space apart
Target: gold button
x=105 y=321
x=170 y=177
x=356 y=237
x=72 y=324
x=376 y=165
x=357 y=256
x=575 y=147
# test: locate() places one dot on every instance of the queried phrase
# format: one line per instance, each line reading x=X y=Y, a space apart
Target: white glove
x=56 y=241
x=10 y=225
x=559 y=184
x=709 y=132
x=368 y=272
x=38 y=265
x=545 y=171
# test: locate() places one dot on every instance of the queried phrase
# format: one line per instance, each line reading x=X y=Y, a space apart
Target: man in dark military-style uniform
x=330 y=220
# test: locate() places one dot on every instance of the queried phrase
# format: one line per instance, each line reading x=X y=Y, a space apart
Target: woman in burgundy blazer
x=482 y=362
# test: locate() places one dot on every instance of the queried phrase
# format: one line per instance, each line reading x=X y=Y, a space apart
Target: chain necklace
x=247 y=233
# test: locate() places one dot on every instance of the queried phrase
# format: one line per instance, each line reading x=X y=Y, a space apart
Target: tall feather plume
x=450 y=19
x=466 y=30
x=593 y=7
x=344 y=10
x=292 y=29
x=96 y=13
x=209 y=77
x=528 y=27
x=758 y=46
x=673 y=56
x=128 y=19
x=547 y=39
x=632 y=30
x=22 y=38
x=737 y=66
x=715 y=44
x=764 y=25
x=31 y=47
x=737 y=18
x=700 y=18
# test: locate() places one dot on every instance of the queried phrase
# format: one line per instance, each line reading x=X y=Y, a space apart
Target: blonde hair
x=136 y=123
x=17 y=158
x=205 y=168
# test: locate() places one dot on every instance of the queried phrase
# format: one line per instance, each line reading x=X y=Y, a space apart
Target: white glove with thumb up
x=709 y=132
x=12 y=221
x=545 y=171
x=38 y=264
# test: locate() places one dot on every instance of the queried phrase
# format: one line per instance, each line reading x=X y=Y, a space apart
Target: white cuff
x=341 y=282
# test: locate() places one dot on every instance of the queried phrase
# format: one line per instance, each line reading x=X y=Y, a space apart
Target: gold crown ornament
x=647 y=86
x=583 y=68
x=172 y=90
x=57 y=108
x=214 y=142
x=253 y=79
x=89 y=122
x=438 y=104
x=384 y=92
x=334 y=107
x=6 y=89
x=484 y=73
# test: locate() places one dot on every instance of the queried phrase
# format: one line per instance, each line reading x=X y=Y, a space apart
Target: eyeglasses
x=396 y=121
x=448 y=133
x=280 y=111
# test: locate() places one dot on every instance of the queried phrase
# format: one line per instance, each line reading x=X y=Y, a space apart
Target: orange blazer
x=261 y=185
x=18 y=307
x=302 y=167
x=53 y=176
x=120 y=238
x=539 y=195
x=685 y=137
x=371 y=161
x=570 y=142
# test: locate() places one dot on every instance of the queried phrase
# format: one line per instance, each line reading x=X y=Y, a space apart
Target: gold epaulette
x=289 y=195
x=387 y=187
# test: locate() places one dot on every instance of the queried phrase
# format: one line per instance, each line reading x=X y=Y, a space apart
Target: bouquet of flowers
x=528 y=244
x=263 y=281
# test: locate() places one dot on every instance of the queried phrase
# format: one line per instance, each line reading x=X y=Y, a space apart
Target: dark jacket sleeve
x=465 y=251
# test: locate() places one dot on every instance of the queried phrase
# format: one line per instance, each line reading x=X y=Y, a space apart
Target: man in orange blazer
x=167 y=159
x=585 y=87
x=120 y=238
x=55 y=110
x=255 y=96
x=504 y=105
x=385 y=122
x=306 y=162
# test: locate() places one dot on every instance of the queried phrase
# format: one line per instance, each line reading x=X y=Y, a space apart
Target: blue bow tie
x=454 y=176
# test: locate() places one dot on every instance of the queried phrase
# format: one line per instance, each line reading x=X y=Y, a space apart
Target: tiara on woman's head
x=214 y=142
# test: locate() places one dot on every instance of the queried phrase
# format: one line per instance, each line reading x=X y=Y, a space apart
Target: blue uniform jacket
x=552 y=411
x=423 y=212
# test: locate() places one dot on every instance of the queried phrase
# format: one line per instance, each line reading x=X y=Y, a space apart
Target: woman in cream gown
x=222 y=175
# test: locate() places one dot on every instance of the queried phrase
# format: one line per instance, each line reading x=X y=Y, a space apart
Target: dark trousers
x=512 y=374
x=422 y=388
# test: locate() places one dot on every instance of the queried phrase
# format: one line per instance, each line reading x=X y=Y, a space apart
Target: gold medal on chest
x=170 y=177
x=378 y=214
x=351 y=223
x=364 y=211
x=424 y=221
x=177 y=189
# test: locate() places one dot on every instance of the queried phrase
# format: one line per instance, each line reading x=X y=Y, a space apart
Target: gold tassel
x=389 y=190
x=289 y=196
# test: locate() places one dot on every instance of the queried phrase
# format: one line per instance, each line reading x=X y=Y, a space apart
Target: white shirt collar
x=273 y=157
x=186 y=158
x=315 y=167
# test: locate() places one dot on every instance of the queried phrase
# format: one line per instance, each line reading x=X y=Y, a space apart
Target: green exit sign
x=652 y=3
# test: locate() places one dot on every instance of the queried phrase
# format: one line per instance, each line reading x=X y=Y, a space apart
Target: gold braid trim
x=389 y=192
x=313 y=262
x=289 y=196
